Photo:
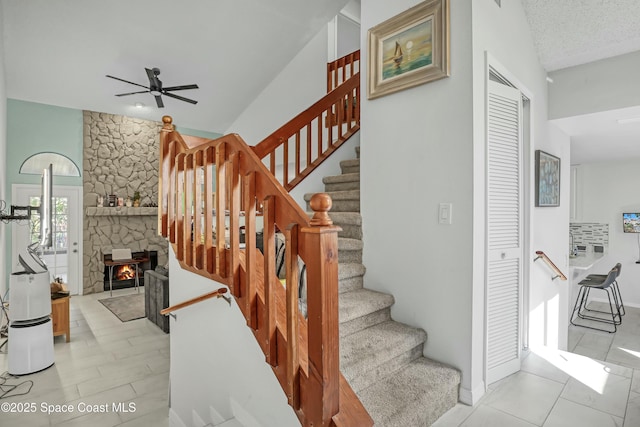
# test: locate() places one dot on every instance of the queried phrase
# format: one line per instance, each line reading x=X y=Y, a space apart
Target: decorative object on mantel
x=409 y=49
x=112 y=199
x=100 y=201
x=136 y=199
x=128 y=203
x=547 y=179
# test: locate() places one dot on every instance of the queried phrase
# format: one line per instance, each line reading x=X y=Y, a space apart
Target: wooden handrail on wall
x=219 y=293
x=303 y=352
x=302 y=144
x=545 y=258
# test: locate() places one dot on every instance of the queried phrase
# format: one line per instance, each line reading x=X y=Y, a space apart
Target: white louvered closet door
x=504 y=235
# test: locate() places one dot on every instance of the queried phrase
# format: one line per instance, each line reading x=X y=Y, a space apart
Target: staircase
x=380 y=358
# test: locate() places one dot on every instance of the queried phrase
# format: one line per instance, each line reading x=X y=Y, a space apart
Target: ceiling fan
x=155 y=88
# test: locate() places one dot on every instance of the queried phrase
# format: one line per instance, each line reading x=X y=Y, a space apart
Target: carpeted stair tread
x=349 y=250
x=348 y=244
x=350 y=269
x=345 y=177
x=362 y=302
x=416 y=395
x=344 y=182
x=350 y=162
x=372 y=353
x=338 y=195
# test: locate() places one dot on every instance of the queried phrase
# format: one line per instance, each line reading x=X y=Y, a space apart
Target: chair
x=580 y=307
x=615 y=287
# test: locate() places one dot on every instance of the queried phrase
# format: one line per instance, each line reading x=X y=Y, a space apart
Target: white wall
x=216 y=361
x=417 y=151
x=604 y=85
x=502 y=32
x=3 y=157
x=301 y=83
x=607 y=189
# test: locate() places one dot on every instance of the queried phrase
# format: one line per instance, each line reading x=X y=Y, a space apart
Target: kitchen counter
x=581 y=266
x=585 y=260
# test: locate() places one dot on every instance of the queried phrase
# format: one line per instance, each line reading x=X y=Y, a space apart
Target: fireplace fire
x=124 y=275
x=124 y=272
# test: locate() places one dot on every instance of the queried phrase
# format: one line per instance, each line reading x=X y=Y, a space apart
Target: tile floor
x=107 y=362
x=596 y=385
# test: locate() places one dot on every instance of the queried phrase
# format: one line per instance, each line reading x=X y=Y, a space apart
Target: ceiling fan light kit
x=155 y=88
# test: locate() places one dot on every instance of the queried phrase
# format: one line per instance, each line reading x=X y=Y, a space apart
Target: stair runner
x=381 y=358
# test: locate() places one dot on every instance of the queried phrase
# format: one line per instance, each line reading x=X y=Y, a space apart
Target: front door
x=64 y=257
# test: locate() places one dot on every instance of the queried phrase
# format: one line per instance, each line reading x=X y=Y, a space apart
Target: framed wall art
x=409 y=49
x=547 y=179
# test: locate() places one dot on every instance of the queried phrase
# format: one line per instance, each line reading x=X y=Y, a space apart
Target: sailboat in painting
x=397 y=55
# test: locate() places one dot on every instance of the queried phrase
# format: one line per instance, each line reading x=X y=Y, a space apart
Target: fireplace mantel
x=121 y=211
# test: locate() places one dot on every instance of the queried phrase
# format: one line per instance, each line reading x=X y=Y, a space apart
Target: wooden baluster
x=309 y=131
x=163 y=181
x=319 y=138
x=173 y=193
x=357 y=106
x=297 y=154
x=250 y=297
x=293 y=358
x=189 y=187
x=329 y=78
x=209 y=160
x=321 y=247
x=285 y=161
x=234 y=218
x=221 y=197
x=198 y=210
x=268 y=248
x=180 y=206
x=272 y=163
x=340 y=119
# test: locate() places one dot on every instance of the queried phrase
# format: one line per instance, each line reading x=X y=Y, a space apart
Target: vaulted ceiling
x=58 y=52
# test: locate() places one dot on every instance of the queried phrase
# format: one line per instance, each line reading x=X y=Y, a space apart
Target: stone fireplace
x=120 y=158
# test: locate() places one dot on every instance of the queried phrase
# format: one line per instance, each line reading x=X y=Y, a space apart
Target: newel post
x=321 y=243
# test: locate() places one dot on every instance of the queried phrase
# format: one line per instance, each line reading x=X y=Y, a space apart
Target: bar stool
x=580 y=307
x=614 y=287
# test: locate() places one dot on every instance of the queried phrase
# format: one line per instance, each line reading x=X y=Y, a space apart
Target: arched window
x=62 y=165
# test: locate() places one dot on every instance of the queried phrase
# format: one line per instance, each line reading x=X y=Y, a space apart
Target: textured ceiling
x=567 y=33
x=573 y=32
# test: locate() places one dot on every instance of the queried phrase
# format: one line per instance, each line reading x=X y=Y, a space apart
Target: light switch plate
x=444 y=213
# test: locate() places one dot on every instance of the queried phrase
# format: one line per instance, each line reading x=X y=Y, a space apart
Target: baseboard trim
x=471 y=397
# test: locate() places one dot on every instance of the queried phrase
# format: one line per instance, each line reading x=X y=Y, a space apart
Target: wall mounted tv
x=631 y=222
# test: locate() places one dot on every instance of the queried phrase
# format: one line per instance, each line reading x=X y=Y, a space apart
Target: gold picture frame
x=409 y=49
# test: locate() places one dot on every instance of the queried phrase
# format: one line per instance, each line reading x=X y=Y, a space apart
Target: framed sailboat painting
x=409 y=49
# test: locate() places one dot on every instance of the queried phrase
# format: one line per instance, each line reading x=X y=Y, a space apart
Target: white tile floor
x=596 y=385
x=107 y=362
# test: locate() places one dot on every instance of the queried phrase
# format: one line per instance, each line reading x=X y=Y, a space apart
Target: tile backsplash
x=589 y=233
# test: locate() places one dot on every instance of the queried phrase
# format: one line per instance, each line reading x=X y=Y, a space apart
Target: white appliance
x=31 y=328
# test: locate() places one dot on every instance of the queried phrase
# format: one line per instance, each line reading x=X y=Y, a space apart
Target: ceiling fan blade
x=184 y=87
x=153 y=79
x=126 y=81
x=191 y=101
x=132 y=93
x=159 y=102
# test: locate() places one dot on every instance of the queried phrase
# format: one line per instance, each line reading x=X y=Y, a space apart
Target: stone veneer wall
x=120 y=157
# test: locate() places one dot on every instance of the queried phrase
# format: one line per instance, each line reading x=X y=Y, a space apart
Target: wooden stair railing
x=219 y=293
x=308 y=139
x=547 y=260
x=202 y=186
